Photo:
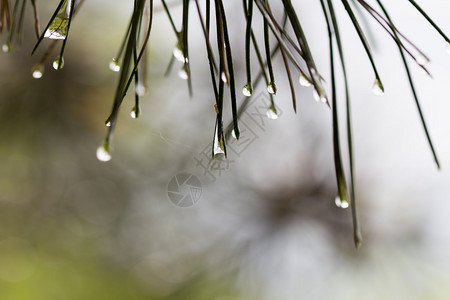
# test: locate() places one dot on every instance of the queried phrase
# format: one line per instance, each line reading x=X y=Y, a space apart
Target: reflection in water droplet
x=341 y=203
x=103 y=152
x=58 y=29
x=378 y=88
x=304 y=81
x=183 y=74
x=114 y=65
x=37 y=71
x=6 y=47
x=272 y=88
x=108 y=123
x=56 y=65
x=247 y=90
x=272 y=113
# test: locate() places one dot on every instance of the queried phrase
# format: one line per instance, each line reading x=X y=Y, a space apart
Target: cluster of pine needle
x=282 y=34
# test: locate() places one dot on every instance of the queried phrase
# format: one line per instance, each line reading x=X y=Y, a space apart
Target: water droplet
x=272 y=88
x=58 y=29
x=114 y=65
x=218 y=147
x=108 y=122
x=341 y=203
x=304 y=81
x=141 y=90
x=178 y=53
x=224 y=77
x=272 y=113
x=135 y=112
x=183 y=73
x=6 y=48
x=233 y=134
x=319 y=98
x=56 y=65
x=103 y=152
x=37 y=71
x=378 y=88
x=422 y=59
x=247 y=90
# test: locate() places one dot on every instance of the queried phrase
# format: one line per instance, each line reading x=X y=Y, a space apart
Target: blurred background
x=264 y=224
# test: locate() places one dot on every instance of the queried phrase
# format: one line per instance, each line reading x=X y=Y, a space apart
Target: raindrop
x=233 y=134
x=272 y=113
x=272 y=88
x=56 y=65
x=103 y=152
x=341 y=203
x=319 y=98
x=6 y=47
x=422 y=59
x=114 y=65
x=141 y=89
x=178 y=53
x=247 y=90
x=183 y=74
x=378 y=88
x=58 y=29
x=304 y=81
x=224 y=77
x=218 y=148
x=135 y=112
x=37 y=71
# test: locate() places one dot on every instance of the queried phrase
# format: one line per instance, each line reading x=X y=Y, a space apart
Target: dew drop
x=178 y=53
x=319 y=98
x=37 y=71
x=272 y=113
x=108 y=123
x=304 y=81
x=183 y=74
x=114 y=65
x=59 y=26
x=247 y=90
x=422 y=59
x=103 y=152
x=6 y=48
x=224 y=77
x=135 y=112
x=341 y=203
x=56 y=65
x=233 y=134
x=272 y=88
x=378 y=88
x=218 y=147
x=141 y=90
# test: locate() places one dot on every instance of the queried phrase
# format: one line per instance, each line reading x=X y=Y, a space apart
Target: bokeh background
x=265 y=226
